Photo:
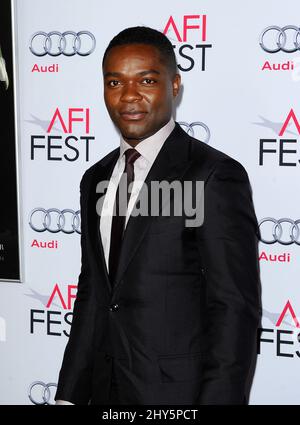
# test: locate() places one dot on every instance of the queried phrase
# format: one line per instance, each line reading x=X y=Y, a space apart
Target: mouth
x=133 y=115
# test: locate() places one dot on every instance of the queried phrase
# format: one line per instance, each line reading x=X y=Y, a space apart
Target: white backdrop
x=234 y=96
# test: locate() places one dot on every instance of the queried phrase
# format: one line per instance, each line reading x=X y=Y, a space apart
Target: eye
x=113 y=83
x=149 y=81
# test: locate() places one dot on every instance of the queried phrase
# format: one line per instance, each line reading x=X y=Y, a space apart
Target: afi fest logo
x=188 y=34
x=69 y=147
x=57 y=313
x=282 y=151
x=283 y=337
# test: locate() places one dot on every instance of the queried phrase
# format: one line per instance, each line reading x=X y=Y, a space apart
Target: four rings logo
x=40 y=393
x=68 y=43
x=54 y=220
x=284 y=231
x=189 y=128
x=279 y=39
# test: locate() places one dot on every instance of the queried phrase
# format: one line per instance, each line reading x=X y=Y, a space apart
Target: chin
x=133 y=133
x=134 y=136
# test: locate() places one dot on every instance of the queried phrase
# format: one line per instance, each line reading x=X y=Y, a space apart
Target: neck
x=134 y=142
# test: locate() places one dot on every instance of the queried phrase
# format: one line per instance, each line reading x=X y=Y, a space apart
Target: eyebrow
x=141 y=74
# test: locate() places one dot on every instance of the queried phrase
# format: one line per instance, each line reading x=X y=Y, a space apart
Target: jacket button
x=107 y=357
x=114 y=307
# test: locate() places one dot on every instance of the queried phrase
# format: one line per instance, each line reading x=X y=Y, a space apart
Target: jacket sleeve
x=75 y=376
x=228 y=242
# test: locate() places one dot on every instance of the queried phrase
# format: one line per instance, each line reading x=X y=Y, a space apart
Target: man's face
x=139 y=90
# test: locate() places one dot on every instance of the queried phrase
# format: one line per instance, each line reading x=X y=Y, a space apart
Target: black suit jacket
x=181 y=321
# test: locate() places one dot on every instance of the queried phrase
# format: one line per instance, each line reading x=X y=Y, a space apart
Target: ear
x=176 y=84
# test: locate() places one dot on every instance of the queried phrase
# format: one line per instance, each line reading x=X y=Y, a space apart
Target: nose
x=130 y=94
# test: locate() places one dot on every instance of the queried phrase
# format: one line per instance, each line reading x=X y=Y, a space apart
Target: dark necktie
x=119 y=212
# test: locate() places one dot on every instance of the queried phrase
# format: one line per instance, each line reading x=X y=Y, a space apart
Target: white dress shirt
x=148 y=148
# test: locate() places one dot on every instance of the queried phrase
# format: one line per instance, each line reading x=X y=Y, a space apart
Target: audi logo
x=55 y=220
x=284 y=231
x=68 y=43
x=189 y=128
x=280 y=39
x=40 y=393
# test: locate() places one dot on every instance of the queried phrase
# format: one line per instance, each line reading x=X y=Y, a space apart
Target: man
x=165 y=313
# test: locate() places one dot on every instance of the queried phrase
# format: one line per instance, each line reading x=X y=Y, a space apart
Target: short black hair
x=146 y=35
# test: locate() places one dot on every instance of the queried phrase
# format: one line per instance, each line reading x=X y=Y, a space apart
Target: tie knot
x=131 y=155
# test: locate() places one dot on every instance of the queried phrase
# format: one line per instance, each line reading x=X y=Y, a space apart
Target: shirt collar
x=149 y=148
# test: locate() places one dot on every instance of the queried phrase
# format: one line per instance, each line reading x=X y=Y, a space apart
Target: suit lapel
x=103 y=171
x=171 y=163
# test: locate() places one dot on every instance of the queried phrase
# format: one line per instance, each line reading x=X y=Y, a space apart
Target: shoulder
x=90 y=172
x=214 y=161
